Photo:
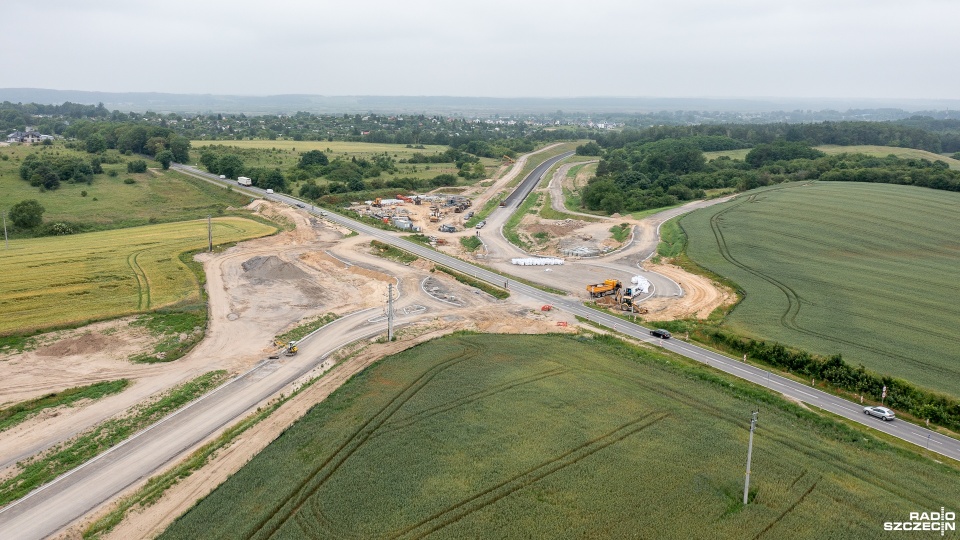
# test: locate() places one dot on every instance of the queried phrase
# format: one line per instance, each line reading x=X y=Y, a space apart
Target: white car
x=882 y=413
x=269 y=192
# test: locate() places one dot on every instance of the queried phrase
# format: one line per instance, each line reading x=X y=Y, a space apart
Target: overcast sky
x=494 y=48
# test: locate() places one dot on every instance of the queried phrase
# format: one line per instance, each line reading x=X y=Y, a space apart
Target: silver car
x=882 y=413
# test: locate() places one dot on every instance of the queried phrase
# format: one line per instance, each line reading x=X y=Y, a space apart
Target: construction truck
x=291 y=349
x=609 y=286
x=377 y=203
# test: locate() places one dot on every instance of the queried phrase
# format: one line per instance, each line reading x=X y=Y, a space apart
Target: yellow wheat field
x=64 y=280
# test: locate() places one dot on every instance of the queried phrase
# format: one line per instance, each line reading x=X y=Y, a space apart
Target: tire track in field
x=405 y=422
x=789 y=317
x=788 y=510
x=705 y=407
x=143 y=286
x=302 y=493
x=495 y=493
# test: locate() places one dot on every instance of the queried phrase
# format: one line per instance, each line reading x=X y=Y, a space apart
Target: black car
x=660 y=333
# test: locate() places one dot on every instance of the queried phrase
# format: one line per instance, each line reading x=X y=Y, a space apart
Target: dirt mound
x=85 y=344
x=271 y=268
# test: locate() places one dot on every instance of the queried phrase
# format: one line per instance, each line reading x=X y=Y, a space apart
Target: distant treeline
x=644 y=174
x=922 y=133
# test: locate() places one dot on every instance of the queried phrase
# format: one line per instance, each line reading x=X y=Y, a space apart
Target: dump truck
x=609 y=286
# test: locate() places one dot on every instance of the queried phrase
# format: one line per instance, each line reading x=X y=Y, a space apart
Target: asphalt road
x=906 y=431
x=55 y=505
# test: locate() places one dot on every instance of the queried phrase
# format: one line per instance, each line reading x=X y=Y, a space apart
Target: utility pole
x=390 y=312
x=209 y=233
x=746 y=483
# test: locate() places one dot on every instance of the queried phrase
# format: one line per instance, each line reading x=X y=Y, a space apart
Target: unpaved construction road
x=257 y=290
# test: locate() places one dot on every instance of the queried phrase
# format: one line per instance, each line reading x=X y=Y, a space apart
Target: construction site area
x=261 y=289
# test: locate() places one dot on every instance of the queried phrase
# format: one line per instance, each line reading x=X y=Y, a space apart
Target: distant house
x=27 y=137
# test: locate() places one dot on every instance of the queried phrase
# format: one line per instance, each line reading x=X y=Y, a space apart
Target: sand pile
x=271 y=268
x=86 y=344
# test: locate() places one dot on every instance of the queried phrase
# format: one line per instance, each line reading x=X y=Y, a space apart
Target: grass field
x=286 y=154
x=865 y=270
x=877 y=151
x=155 y=197
x=62 y=280
x=492 y=436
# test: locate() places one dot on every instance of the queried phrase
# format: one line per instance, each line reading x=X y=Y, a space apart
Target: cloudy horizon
x=853 y=49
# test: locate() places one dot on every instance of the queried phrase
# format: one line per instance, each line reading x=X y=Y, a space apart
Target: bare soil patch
x=701 y=296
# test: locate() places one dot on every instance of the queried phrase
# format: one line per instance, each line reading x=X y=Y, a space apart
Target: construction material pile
x=537 y=261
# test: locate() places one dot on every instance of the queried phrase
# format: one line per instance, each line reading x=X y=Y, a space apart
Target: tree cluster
x=748 y=135
x=641 y=176
x=162 y=143
x=47 y=172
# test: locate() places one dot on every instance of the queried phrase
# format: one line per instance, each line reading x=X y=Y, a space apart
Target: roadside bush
x=901 y=395
x=137 y=166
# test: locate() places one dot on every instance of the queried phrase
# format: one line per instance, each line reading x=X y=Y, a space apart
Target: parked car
x=481 y=224
x=660 y=333
x=882 y=413
x=323 y=213
x=468 y=215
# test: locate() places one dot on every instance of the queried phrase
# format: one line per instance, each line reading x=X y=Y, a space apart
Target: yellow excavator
x=288 y=349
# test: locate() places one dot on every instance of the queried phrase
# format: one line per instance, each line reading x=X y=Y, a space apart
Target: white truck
x=244 y=181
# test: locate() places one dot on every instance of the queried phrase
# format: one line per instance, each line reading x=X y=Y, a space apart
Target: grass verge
x=64 y=457
x=496 y=292
x=621 y=232
x=19 y=412
x=299 y=332
x=510 y=227
x=389 y=252
x=470 y=243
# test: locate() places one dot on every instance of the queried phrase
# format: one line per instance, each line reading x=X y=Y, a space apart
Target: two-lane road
x=912 y=433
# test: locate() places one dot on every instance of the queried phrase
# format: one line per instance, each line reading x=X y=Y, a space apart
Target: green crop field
x=877 y=151
x=865 y=270
x=63 y=280
x=494 y=436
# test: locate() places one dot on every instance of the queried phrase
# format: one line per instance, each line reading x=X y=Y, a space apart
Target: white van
x=269 y=192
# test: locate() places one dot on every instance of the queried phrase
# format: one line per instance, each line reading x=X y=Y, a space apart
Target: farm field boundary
x=843 y=268
x=58 y=281
x=561 y=436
